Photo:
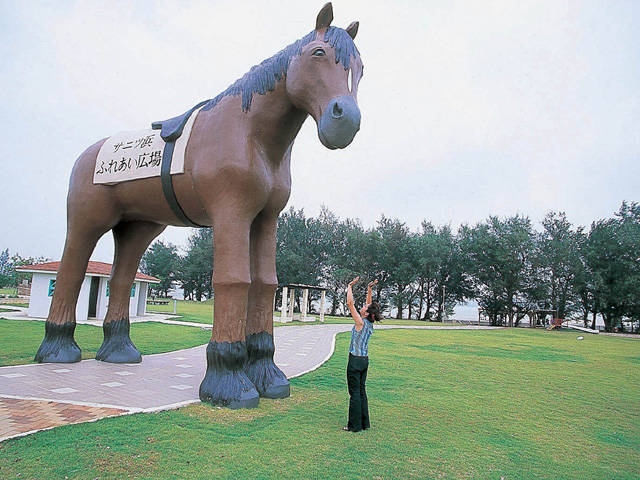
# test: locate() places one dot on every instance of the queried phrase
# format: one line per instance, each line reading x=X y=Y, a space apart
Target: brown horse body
x=237 y=180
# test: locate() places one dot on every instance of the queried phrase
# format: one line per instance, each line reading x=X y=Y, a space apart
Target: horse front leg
x=225 y=382
x=269 y=380
x=131 y=239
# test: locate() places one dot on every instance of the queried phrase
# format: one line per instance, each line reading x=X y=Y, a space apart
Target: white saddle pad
x=138 y=154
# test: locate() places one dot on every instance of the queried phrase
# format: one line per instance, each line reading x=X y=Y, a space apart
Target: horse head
x=323 y=80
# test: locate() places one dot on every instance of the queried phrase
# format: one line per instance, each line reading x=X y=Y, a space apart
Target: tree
x=336 y=247
x=352 y=255
x=440 y=274
x=396 y=260
x=583 y=284
x=12 y=277
x=629 y=221
x=195 y=268
x=451 y=278
x=6 y=269
x=295 y=254
x=559 y=264
x=613 y=257
x=429 y=259
x=161 y=261
x=498 y=254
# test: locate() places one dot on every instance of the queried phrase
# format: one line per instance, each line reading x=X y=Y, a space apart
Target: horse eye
x=319 y=52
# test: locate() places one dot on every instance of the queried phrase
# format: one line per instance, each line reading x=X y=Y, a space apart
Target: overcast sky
x=470 y=108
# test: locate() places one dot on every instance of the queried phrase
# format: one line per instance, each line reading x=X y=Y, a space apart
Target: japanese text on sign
x=138 y=154
x=143 y=152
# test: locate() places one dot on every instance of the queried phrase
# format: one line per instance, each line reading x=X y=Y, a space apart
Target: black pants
x=358 y=404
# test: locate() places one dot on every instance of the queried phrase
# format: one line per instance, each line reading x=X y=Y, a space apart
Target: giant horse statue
x=236 y=179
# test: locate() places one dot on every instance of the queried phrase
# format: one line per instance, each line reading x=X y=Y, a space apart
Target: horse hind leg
x=131 y=240
x=59 y=345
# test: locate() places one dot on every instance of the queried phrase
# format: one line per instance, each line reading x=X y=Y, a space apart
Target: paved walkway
x=40 y=396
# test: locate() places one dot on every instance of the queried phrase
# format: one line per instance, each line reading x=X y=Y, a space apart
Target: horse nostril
x=339 y=122
x=336 y=112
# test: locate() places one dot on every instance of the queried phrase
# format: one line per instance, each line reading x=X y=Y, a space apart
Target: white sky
x=470 y=108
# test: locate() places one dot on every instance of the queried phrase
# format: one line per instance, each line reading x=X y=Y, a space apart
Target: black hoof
x=225 y=384
x=117 y=346
x=58 y=345
x=268 y=379
x=277 y=389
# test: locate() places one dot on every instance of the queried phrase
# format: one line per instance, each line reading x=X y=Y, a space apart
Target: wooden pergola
x=288 y=301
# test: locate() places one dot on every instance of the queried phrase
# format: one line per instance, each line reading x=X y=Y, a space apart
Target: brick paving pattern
x=20 y=417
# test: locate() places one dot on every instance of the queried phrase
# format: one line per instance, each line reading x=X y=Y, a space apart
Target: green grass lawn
x=189 y=311
x=202 y=312
x=19 y=340
x=512 y=404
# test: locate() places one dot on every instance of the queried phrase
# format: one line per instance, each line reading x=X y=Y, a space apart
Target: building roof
x=97 y=269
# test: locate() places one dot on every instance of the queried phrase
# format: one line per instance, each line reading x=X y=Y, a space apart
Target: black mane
x=262 y=78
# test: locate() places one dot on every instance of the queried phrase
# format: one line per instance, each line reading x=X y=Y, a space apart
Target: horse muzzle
x=339 y=122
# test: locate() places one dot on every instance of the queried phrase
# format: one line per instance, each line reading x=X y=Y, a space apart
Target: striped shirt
x=360 y=339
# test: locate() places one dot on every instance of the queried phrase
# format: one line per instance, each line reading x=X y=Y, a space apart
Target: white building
x=94 y=293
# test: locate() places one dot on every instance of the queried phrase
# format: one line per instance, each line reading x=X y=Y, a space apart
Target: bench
x=158 y=302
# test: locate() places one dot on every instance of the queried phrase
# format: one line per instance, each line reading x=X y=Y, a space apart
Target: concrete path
x=161 y=381
x=39 y=396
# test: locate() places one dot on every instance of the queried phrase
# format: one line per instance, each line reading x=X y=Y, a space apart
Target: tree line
x=507 y=266
x=504 y=264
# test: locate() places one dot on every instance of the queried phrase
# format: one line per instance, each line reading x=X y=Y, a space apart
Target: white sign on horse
x=138 y=154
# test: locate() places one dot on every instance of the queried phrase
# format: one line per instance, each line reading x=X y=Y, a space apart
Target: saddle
x=171 y=129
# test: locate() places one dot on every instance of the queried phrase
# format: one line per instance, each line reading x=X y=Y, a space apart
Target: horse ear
x=352 y=29
x=325 y=17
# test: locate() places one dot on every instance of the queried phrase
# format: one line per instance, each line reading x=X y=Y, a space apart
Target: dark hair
x=373 y=312
x=262 y=78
